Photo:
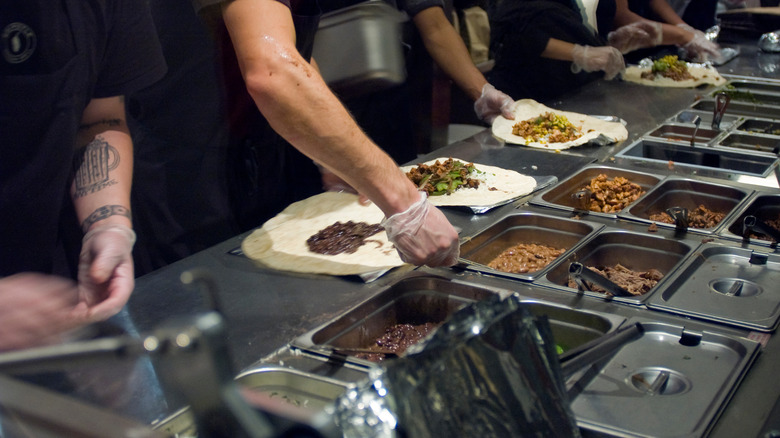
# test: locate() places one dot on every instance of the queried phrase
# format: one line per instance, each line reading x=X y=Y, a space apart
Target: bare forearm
x=557 y=49
x=299 y=106
x=104 y=167
x=448 y=51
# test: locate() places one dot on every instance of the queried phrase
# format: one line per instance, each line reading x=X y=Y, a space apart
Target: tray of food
x=725 y=163
x=538 y=126
x=753 y=142
x=687 y=204
x=406 y=312
x=758 y=222
x=598 y=190
x=329 y=233
x=670 y=71
x=726 y=284
x=670 y=382
x=637 y=263
x=524 y=245
x=452 y=182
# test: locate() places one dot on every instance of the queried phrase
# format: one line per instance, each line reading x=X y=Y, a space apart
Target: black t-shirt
x=55 y=58
x=520 y=31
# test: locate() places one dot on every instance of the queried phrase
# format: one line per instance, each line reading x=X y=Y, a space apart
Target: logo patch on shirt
x=19 y=42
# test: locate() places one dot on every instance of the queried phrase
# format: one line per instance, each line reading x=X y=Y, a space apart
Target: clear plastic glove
x=333 y=183
x=106 y=277
x=699 y=49
x=38 y=309
x=493 y=103
x=602 y=58
x=637 y=35
x=422 y=235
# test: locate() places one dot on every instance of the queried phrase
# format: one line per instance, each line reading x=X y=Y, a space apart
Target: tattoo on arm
x=103 y=213
x=92 y=167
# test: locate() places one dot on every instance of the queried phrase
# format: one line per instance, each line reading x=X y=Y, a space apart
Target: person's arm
x=448 y=50
x=665 y=12
x=451 y=55
x=101 y=197
x=670 y=34
x=298 y=105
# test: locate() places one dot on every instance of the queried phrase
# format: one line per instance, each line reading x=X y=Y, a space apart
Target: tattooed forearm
x=92 y=167
x=103 y=213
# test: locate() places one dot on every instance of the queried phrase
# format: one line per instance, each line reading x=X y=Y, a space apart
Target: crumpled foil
x=490 y=371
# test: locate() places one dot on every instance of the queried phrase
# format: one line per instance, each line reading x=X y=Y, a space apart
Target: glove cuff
x=407 y=221
x=116 y=228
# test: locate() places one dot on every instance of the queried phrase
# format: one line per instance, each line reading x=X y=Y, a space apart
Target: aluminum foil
x=490 y=370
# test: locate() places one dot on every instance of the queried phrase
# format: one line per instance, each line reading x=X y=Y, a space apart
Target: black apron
x=265 y=173
x=39 y=116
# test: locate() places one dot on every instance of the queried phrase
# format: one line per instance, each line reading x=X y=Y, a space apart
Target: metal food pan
x=561 y=195
x=670 y=382
x=755 y=86
x=297 y=392
x=763 y=206
x=635 y=251
x=736 y=108
x=771 y=127
x=689 y=194
x=574 y=327
x=683 y=133
x=361 y=326
x=525 y=227
x=718 y=161
x=294 y=387
x=720 y=283
x=412 y=300
x=751 y=142
x=688 y=116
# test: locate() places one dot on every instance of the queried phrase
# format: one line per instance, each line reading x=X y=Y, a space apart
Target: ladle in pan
x=721 y=103
x=696 y=122
x=751 y=223
x=680 y=217
x=580 y=274
x=581 y=199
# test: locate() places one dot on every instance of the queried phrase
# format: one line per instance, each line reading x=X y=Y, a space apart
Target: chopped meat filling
x=525 y=257
x=611 y=195
x=669 y=67
x=701 y=217
x=637 y=283
x=443 y=178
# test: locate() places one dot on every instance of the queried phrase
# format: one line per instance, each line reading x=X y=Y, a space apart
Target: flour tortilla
x=281 y=242
x=702 y=75
x=591 y=127
x=508 y=185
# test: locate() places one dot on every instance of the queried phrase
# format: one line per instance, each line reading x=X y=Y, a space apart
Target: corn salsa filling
x=547 y=128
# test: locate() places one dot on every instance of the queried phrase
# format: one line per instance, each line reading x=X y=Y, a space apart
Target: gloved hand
x=106 y=270
x=493 y=103
x=603 y=58
x=637 y=35
x=38 y=309
x=333 y=183
x=422 y=235
x=699 y=48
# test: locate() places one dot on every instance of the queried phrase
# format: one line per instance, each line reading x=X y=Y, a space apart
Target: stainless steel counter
x=265 y=309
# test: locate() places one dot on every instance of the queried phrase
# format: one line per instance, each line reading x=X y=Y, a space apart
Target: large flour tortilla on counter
x=508 y=185
x=591 y=127
x=702 y=75
x=281 y=242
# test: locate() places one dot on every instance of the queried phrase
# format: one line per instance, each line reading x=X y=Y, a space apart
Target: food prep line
x=266 y=310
